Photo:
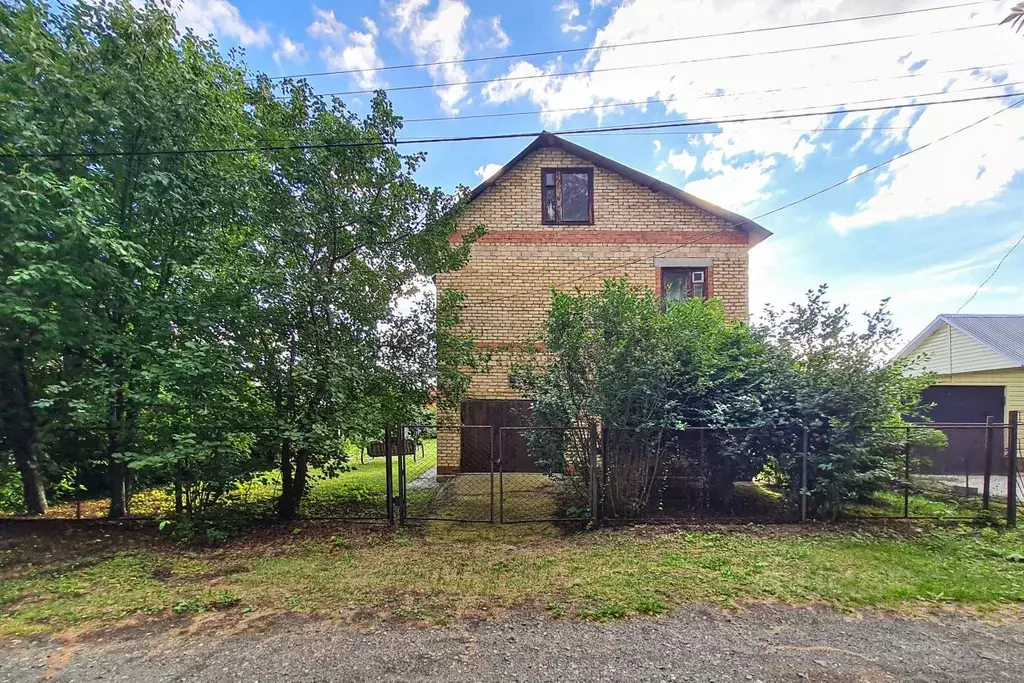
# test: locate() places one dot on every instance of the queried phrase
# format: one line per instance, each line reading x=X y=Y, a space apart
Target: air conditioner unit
x=698 y=278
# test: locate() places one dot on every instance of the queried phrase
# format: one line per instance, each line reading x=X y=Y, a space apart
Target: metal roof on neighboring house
x=1004 y=334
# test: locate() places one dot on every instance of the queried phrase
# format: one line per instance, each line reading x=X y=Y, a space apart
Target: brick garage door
x=477 y=447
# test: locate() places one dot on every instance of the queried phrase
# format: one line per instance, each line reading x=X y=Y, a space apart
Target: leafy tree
x=643 y=371
x=1015 y=18
x=650 y=373
x=837 y=379
x=117 y=260
x=344 y=233
x=191 y=317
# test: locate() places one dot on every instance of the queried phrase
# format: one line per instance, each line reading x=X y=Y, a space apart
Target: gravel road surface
x=692 y=644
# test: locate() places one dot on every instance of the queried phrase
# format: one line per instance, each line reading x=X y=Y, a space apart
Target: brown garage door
x=478 y=448
x=968 y=405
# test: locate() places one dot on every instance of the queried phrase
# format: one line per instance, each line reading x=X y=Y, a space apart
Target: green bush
x=12 y=498
x=648 y=373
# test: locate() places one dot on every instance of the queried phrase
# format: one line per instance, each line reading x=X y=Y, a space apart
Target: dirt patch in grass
x=441 y=573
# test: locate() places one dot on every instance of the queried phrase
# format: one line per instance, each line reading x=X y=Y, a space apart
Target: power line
x=669 y=100
x=792 y=204
x=824 y=129
x=768 y=116
x=992 y=274
x=561 y=74
x=611 y=46
x=792 y=113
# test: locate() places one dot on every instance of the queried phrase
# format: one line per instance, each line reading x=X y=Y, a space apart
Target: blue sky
x=925 y=230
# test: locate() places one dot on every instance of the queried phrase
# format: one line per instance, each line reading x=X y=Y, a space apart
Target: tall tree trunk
x=117 y=471
x=116 y=475
x=287 y=506
x=20 y=425
x=294 y=472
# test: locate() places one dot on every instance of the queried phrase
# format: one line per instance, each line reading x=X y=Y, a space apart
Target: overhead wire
x=992 y=274
x=669 y=100
x=658 y=65
x=765 y=116
x=612 y=46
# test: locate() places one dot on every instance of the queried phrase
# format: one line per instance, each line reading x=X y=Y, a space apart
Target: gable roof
x=756 y=232
x=1003 y=334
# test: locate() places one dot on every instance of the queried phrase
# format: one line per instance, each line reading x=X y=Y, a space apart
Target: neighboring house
x=979 y=364
x=559 y=215
x=979 y=360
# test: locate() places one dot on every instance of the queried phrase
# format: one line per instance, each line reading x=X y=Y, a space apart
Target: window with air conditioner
x=680 y=284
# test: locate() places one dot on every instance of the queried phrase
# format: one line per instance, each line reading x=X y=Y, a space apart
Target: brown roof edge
x=756 y=232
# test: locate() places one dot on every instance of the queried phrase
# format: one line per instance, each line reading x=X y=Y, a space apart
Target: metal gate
x=424 y=491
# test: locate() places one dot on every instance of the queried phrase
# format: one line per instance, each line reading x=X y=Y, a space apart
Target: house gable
x=956 y=344
x=624 y=199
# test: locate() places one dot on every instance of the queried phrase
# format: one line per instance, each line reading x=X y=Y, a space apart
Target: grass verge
x=51 y=585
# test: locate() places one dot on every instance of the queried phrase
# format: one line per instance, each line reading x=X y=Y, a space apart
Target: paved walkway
x=694 y=644
x=997 y=484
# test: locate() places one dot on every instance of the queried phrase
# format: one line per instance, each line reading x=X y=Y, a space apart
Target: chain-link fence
x=545 y=474
x=701 y=473
x=504 y=474
x=947 y=471
x=429 y=491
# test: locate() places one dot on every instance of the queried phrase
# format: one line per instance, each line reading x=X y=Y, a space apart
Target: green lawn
x=928 y=504
x=440 y=575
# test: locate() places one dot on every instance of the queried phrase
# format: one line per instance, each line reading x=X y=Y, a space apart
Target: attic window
x=567 y=195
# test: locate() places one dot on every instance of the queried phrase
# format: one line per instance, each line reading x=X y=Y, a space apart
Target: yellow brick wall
x=508 y=285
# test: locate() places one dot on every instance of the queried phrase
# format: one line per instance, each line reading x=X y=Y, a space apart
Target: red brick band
x=577 y=237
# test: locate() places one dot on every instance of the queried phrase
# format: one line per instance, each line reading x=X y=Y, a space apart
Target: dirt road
x=693 y=644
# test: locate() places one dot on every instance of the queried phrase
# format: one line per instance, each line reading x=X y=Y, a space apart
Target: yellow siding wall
x=1012 y=379
x=968 y=354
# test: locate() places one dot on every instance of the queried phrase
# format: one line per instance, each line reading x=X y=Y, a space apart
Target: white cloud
x=570 y=10
x=221 y=19
x=436 y=37
x=857 y=171
x=969 y=168
x=982 y=163
x=736 y=187
x=683 y=161
x=289 y=50
x=657 y=146
x=348 y=50
x=499 y=39
x=487 y=170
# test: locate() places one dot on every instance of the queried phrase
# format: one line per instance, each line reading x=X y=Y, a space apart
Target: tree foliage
x=677 y=384
x=176 y=316
x=1015 y=18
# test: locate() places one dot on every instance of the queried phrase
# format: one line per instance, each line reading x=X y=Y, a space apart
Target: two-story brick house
x=561 y=215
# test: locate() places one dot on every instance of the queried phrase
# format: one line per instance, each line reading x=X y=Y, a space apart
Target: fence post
x=1011 y=473
x=501 y=477
x=595 y=500
x=986 y=490
x=402 y=510
x=803 y=475
x=605 y=464
x=389 y=483
x=906 y=474
x=491 y=441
